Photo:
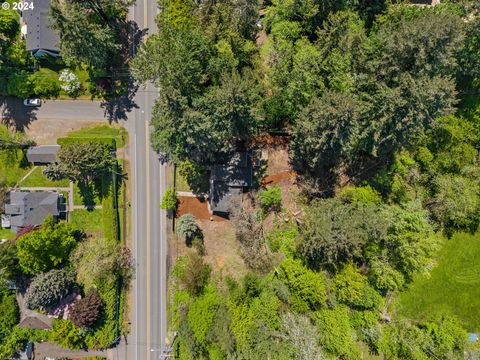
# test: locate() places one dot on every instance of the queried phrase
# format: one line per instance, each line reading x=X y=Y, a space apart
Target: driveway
x=52 y=120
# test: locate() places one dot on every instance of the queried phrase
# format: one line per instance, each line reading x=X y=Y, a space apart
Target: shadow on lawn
x=16 y=115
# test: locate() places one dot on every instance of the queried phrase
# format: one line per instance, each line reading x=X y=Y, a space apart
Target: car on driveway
x=32 y=102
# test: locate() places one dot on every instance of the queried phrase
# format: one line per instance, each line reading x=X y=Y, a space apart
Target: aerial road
x=148 y=331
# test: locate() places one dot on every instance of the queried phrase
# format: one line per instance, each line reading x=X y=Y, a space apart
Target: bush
x=70 y=83
x=85 y=311
x=9 y=314
x=187 y=226
x=361 y=194
x=271 y=199
x=47 y=289
x=169 y=200
x=64 y=333
x=192 y=273
x=45 y=83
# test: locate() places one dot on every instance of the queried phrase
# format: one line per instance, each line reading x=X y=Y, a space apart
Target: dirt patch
x=276 y=179
x=222 y=249
x=46 y=132
x=198 y=207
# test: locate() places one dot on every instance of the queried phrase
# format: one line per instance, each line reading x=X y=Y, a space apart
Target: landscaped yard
x=88 y=220
x=13 y=166
x=102 y=133
x=453 y=287
x=38 y=179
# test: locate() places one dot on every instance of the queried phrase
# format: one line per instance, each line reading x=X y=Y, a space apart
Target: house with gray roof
x=228 y=181
x=31 y=208
x=43 y=155
x=40 y=37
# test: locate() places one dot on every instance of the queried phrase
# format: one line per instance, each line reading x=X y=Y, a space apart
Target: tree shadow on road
x=124 y=87
x=16 y=115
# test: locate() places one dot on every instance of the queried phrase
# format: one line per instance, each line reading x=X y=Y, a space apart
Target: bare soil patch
x=46 y=132
x=196 y=206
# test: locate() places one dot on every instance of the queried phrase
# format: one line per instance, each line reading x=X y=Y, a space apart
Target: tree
x=82 y=162
x=87 y=29
x=335 y=332
x=187 y=226
x=456 y=201
x=336 y=233
x=201 y=314
x=271 y=199
x=326 y=131
x=169 y=200
x=400 y=116
x=299 y=332
x=85 y=311
x=307 y=288
x=47 y=289
x=420 y=42
x=47 y=248
x=66 y=334
x=98 y=262
x=9 y=24
x=353 y=289
x=193 y=273
x=20 y=85
x=9 y=267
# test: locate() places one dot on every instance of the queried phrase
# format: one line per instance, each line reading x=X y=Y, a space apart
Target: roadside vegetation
x=380 y=105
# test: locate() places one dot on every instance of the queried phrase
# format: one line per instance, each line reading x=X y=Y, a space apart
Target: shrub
x=361 y=194
x=85 y=311
x=47 y=289
x=187 y=226
x=69 y=82
x=169 y=200
x=9 y=314
x=192 y=273
x=45 y=83
x=271 y=199
x=66 y=334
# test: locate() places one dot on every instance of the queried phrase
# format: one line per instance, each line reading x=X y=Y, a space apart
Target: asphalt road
x=149 y=324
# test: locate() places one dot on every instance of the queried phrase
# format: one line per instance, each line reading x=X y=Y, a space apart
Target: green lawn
x=88 y=220
x=453 y=286
x=13 y=166
x=103 y=133
x=36 y=178
x=6 y=234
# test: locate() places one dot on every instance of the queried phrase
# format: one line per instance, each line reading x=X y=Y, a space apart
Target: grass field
x=453 y=286
x=36 y=178
x=13 y=166
x=88 y=220
x=102 y=133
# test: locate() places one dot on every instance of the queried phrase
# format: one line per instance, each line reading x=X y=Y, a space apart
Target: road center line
x=147 y=149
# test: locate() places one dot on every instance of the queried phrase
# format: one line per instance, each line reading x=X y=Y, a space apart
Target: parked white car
x=32 y=102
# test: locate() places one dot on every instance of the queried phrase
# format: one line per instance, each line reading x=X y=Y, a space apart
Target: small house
x=43 y=155
x=228 y=181
x=31 y=208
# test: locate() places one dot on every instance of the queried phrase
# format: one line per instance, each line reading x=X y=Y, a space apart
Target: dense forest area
x=380 y=100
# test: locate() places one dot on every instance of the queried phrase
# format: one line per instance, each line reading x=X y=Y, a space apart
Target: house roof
x=31 y=208
x=43 y=154
x=237 y=172
x=41 y=39
x=228 y=180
